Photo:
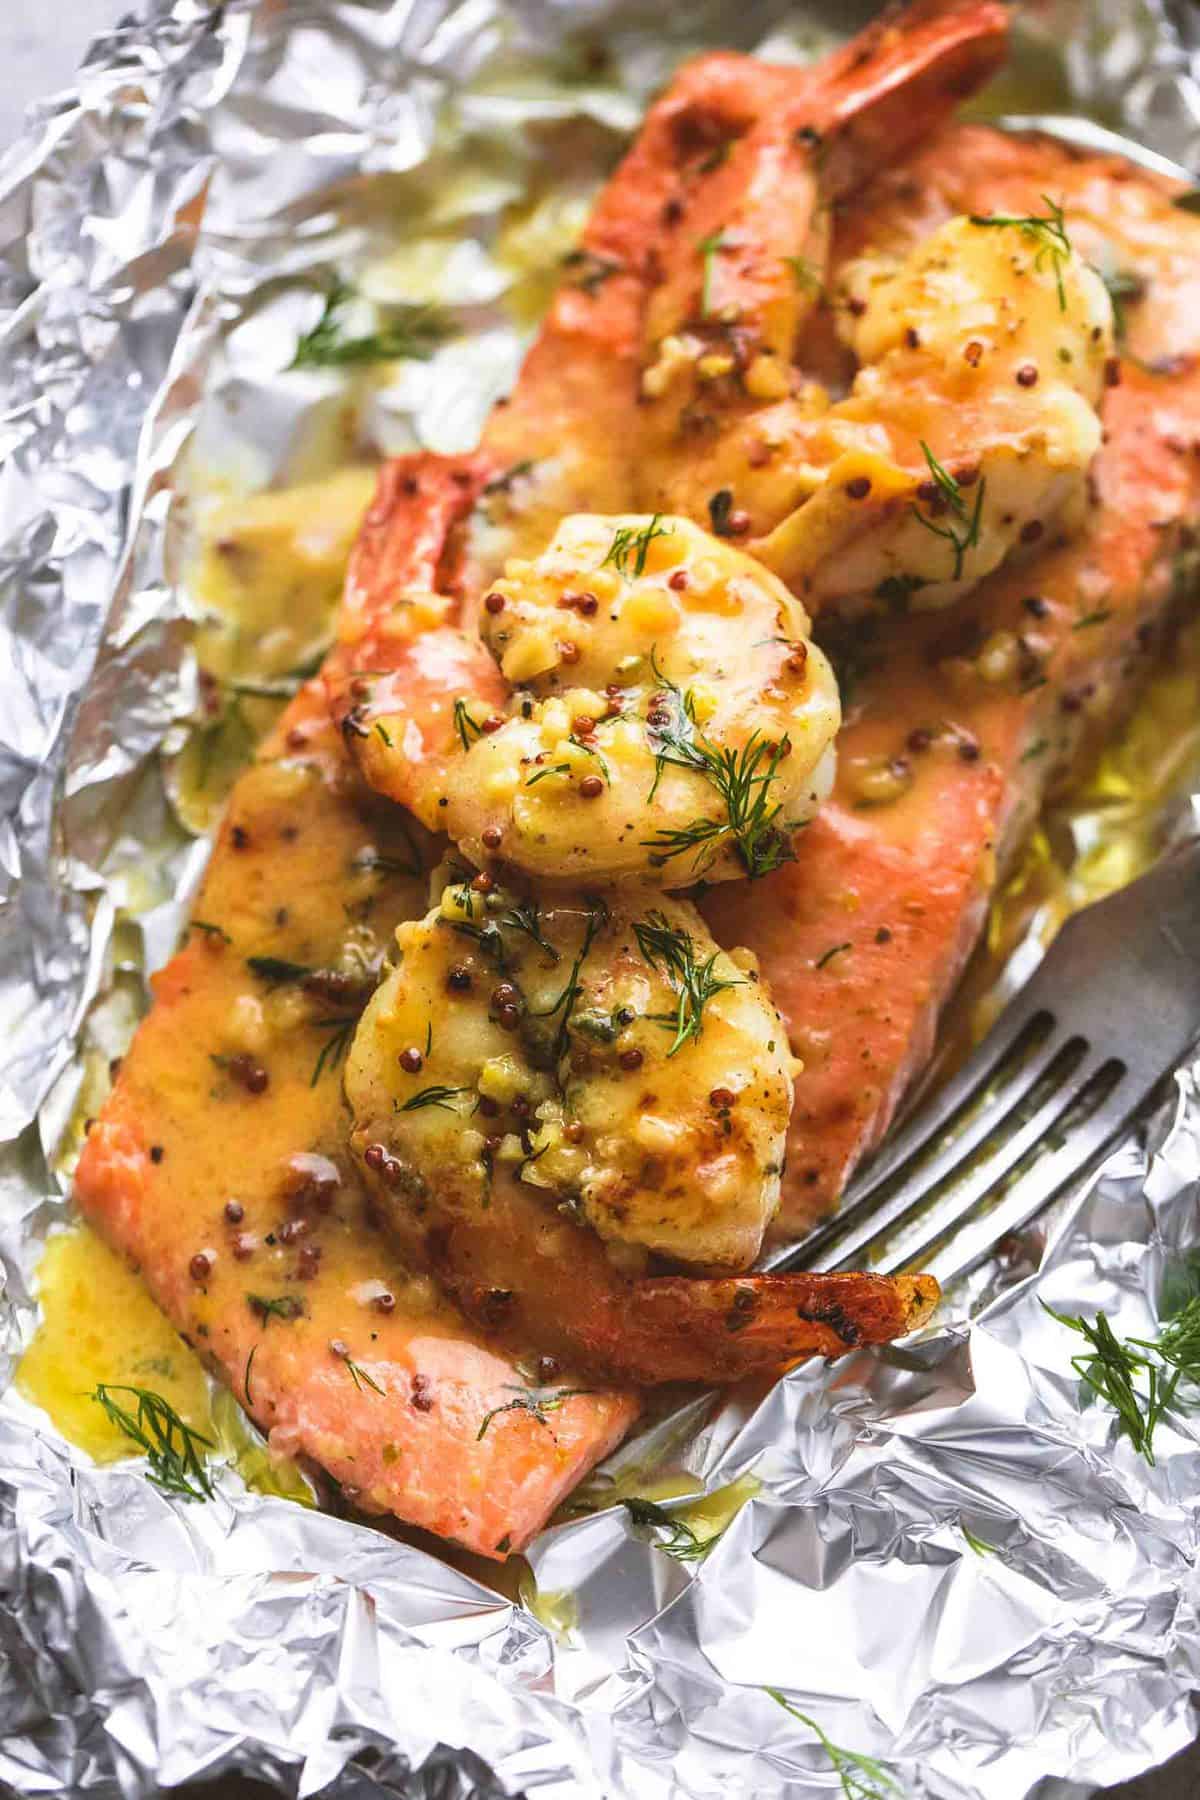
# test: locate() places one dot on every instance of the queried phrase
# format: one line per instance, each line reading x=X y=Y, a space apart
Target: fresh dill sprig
x=951 y=492
x=950 y=489
x=437 y=1095
x=673 y=735
x=465 y=897
x=737 y=776
x=629 y=541
x=412 y=332
x=673 y=954
x=862 y=1777
x=680 y=1541
x=526 y=918
x=171 y=1446
x=597 y=918
x=557 y=769
x=743 y=783
x=1049 y=234
x=334 y=1049
x=359 y=1376
x=488 y=936
x=710 y=248
x=465 y=725
x=536 y=1401
x=590 y=750
x=1179 y=1341
x=1138 y=1377
x=275 y=687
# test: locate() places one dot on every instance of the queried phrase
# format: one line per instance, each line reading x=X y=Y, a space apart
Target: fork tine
x=865 y=1216
x=931 y=1120
x=965 y=1195
x=1085 y=1146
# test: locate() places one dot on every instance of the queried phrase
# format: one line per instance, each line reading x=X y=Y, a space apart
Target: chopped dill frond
x=411 y=332
x=673 y=954
x=1049 y=234
x=171 y=1446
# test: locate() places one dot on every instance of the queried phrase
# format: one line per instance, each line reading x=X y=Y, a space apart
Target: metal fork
x=1111 y=1010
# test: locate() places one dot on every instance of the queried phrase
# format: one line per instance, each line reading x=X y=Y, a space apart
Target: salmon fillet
x=219 y=1168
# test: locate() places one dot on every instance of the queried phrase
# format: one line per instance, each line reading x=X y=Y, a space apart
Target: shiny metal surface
x=1109 y=1013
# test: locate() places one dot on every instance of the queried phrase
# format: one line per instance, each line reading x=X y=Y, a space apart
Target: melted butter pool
x=99 y=1324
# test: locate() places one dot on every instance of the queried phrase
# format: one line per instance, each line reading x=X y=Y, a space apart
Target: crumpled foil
x=165 y=228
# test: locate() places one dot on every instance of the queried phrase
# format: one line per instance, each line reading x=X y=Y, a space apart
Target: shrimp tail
x=899 y=79
x=402 y=659
x=722 y=1330
x=530 y=1277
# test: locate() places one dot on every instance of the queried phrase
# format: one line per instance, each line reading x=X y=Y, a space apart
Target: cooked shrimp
x=650 y=1074
x=733 y=145
x=668 y=717
x=545 y=1096
x=969 y=428
x=731 y=139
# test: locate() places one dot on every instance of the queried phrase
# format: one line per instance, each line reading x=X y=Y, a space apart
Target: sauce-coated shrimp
x=730 y=140
x=600 y=1049
x=734 y=145
x=668 y=717
x=969 y=428
x=545 y=1096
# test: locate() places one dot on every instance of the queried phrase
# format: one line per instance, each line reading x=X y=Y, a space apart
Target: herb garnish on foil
x=862 y=1778
x=1139 y=1377
x=412 y=333
x=679 y=1541
x=171 y=1446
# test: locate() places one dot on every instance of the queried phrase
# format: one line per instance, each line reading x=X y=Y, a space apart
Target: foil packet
x=937 y=1555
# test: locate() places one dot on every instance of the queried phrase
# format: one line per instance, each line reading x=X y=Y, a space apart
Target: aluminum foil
x=165 y=228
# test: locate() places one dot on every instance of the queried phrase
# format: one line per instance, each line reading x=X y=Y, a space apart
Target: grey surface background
x=41 y=43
